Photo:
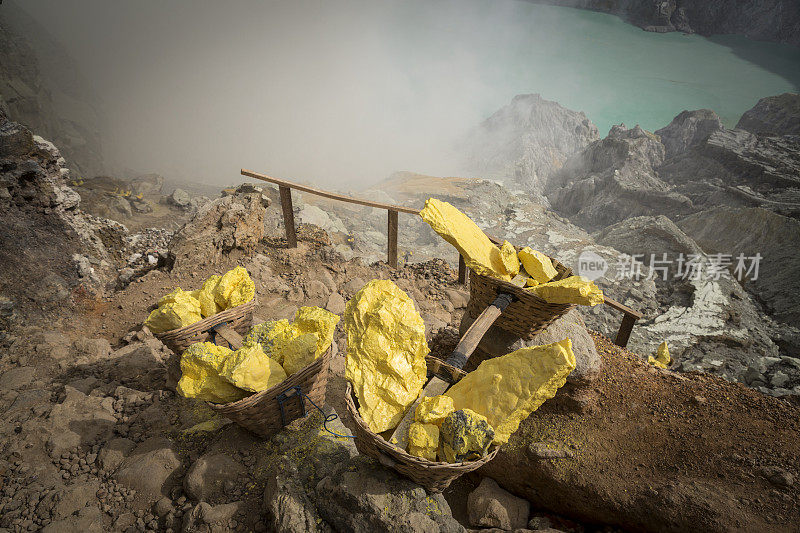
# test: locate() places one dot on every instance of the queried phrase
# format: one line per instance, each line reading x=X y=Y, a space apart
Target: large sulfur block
x=386 y=351
x=273 y=336
x=318 y=321
x=208 y=305
x=507 y=389
x=234 y=288
x=249 y=368
x=177 y=313
x=423 y=440
x=200 y=367
x=571 y=290
x=433 y=409
x=538 y=266
x=300 y=352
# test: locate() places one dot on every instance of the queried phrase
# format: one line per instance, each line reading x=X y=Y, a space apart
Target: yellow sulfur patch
x=208 y=306
x=250 y=369
x=319 y=321
x=433 y=409
x=508 y=255
x=299 y=352
x=234 y=288
x=479 y=253
x=571 y=290
x=272 y=336
x=200 y=366
x=507 y=389
x=662 y=358
x=464 y=436
x=537 y=265
x=386 y=351
x=178 y=314
x=423 y=440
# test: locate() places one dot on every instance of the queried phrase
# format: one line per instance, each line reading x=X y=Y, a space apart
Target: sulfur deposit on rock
x=386 y=351
x=507 y=389
x=662 y=358
x=474 y=246
x=464 y=436
x=318 y=321
x=423 y=440
x=434 y=409
x=234 y=288
x=200 y=367
x=538 y=266
x=250 y=369
x=571 y=290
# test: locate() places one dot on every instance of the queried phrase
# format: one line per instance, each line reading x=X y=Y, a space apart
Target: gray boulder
x=490 y=506
x=179 y=198
x=688 y=129
x=207 y=477
x=150 y=469
x=773 y=115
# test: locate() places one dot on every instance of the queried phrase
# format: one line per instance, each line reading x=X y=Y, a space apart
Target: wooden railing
x=285 y=188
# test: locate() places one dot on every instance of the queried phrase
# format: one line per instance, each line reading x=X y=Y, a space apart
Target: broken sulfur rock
x=479 y=253
x=508 y=254
x=423 y=440
x=299 y=352
x=208 y=306
x=537 y=265
x=662 y=358
x=386 y=351
x=272 y=336
x=176 y=314
x=250 y=369
x=433 y=409
x=571 y=290
x=200 y=366
x=234 y=288
x=319 y=321
x=507 y=389
x=464 y=436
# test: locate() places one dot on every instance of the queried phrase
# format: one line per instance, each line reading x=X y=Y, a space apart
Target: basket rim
x=404 y=456
x=274 y=390
x=208 y=322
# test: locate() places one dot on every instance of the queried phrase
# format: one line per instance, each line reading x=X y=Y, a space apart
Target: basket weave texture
x=261 y=412
x=433 y=475
x=239 y=318
x=527 y=314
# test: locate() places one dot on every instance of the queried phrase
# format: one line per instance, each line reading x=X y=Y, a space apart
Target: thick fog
x=342 y=93
x=314 y=90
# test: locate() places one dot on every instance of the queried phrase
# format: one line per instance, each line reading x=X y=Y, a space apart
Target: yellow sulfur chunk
x=250 y=369
x=423 y=440
x=530 y=282
x=571 y=290
x=662 y=358
x=537 y=265
x=507 y=389
x=479 y=253
x=174 y=315
x=272 y=336
x=386 y=351
x=433 y=409
x=299 y=352
x=179 y=296
x=234 y=288
x=200 y=366
x=464 y=436
x=319 y=321
x=508 y=254
x=208 y=306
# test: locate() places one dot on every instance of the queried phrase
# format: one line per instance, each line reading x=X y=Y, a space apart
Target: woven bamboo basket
x=527 y=314
x=238 y=318
x=266 y=412
x=433 y=475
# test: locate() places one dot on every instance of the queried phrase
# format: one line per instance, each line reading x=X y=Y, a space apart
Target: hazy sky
x=344 y=92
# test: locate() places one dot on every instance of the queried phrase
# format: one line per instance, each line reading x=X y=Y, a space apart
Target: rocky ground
x=93 y=437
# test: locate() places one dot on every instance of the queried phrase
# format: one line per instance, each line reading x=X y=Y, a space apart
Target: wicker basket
x=527 y=314
x=266 y=412
x=433 y=475
x=239 y=318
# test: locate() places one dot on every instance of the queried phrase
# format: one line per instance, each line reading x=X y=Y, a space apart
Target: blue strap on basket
x=296 y=391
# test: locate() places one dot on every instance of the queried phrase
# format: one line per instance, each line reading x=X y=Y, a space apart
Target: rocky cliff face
x=773 y=116
x=41 y=88
x=526 y=141
x=768 y=20
x=51 y=249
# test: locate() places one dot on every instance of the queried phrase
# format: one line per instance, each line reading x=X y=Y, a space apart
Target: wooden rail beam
x=288 y=215
x=392 y=232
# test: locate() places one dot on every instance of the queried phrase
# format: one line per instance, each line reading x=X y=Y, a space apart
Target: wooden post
x=288 y=215
x=392 y=253
x=625 y=330
x=463 y=273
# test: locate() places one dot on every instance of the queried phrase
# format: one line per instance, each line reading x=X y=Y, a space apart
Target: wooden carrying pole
x=288 y=215
x=392 y=231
